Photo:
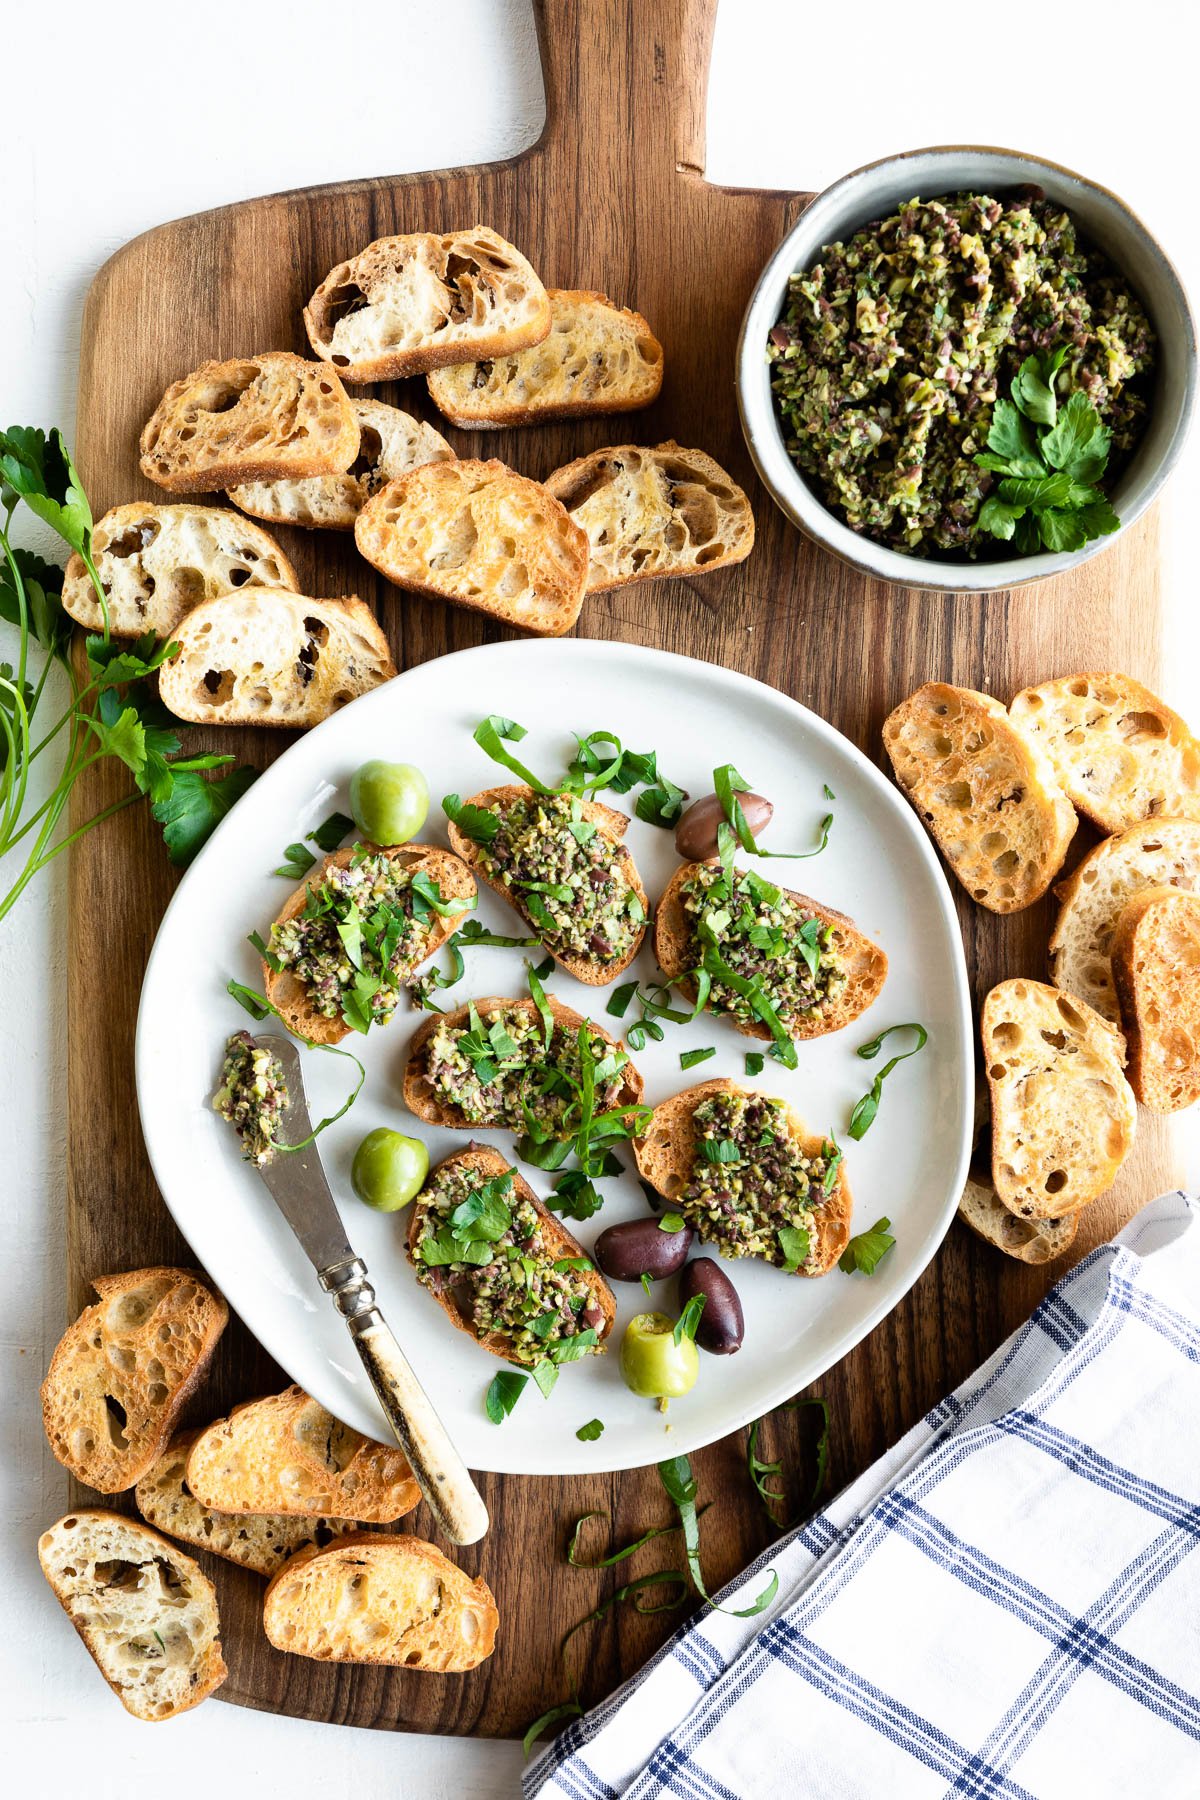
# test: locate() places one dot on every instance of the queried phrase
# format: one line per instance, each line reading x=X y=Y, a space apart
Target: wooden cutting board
x=612 y=197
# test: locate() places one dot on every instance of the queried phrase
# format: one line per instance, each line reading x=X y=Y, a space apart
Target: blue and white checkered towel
x=1006 y=1607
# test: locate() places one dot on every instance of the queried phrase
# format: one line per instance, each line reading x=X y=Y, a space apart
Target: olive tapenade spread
x=895 y=346
x=566 y=876
x=360 y=932
x=482 y=1246
x=751 y=1182
x=252 y=1096
x=763 y=934
x=499 y=1070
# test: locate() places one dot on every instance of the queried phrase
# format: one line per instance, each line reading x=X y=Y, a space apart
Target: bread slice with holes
x=408 y=304
x=390 y=443
x=273 y=417
x=592 y=968
x=650 y=514
x=1156 y=969
x=666 y=1157
x=123 y=1371
x=1063 y=1114
x=598 y=358
x=1160 y=853
x=482 y=1164
x=255 y=658
x=156 y=562
x=375 y=1599
x=1119 y=751
x=291 y=996
x=286 y=1454
x=420 y=1091
x=259 y=1541
x=482 y=536
x=985 y=791
x=1032 y=1241
x=146 y=1611
x=677 y=951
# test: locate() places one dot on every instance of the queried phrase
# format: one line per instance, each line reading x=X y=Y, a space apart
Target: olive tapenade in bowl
x=966 y=369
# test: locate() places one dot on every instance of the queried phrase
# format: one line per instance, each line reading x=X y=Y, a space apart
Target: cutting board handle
x=617 y=71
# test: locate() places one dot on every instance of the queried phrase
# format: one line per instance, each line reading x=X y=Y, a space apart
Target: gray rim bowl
x=873 y=192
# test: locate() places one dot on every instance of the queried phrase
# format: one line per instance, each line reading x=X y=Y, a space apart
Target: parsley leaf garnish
x=504 y=1390
x=587 y=1434
x=865 y=1252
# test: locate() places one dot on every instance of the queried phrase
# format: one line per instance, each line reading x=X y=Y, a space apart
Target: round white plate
x=878 y=867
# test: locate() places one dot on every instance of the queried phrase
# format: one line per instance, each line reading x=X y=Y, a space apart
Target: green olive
x=652 y=1363
x=389 y=1169
x=390 y=801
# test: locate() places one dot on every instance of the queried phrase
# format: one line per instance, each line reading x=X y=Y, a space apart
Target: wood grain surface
x=612 y=197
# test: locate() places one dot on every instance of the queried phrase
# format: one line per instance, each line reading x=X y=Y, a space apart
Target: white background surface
x=119 y=117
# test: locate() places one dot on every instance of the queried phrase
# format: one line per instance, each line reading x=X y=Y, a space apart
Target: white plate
x=879 y=867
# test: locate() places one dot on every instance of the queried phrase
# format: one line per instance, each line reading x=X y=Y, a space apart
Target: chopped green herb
x=671 y=1222
x=755 y=1062
x=689 y=1058
x=297 y=861
x=1050 y=460
x=794 y=1242
x=761 y=1472
x=689 y=1319
x=545 y=1374
x=503 y=1393
x=863 y=1116
x=588 y=1433
x=330 y=832
x=864 y=1253
x=721 y=1150
x=618 y=1004
x=566 y=1709
x=676 y=1477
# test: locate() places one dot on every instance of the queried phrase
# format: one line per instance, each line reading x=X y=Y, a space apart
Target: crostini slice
x=535 y=1235
x=600 y=871
x=671 y=1157
x=1156 y=967
x=294 y=997
x=850 y=974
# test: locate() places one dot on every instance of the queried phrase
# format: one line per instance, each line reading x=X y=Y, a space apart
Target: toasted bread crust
x=597 y=358
x=1033 y=1241
x=1156 y=971
x=1063 y=1114
x=984 y=791
x=272 y=417
x=414 y=302
x=866 y=964
x=417 y=1096
x=421 y=1611
x=290 y=995
x=651 y=514
x=666 y=1156
x=612 y=825
x=478 y=1159
x=1119 y=751
x=116 y=1385
x=481 y=536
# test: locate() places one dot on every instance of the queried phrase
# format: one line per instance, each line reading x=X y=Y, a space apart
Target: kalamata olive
x=641 y=1247
x=722 y=1326
x=696 y=832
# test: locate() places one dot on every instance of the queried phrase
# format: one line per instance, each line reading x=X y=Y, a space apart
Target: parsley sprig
x=1051 y=459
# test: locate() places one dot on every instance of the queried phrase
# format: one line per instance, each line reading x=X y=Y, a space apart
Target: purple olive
x=696 y=832
x=722 y=1326
x=640 y=1247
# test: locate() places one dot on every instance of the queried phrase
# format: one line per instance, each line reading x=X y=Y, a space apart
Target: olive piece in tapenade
x=252 y=1096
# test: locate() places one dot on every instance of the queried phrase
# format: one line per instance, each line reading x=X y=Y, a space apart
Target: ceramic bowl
x=875 y=191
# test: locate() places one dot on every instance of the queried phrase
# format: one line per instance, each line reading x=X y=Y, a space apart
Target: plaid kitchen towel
x=1005 y=1607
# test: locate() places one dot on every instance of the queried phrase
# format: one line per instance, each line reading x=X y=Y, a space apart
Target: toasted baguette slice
x=1119 y=751
x=256 y=418
x=390 y=443
x=1033 y=1241
x=484 y=1163
x=408 y=304
x=598 y=358
x=666 y=1156
x=147 y=1612
x=608 y=821
x=122 y=1372
x=273 y=659
x=290 y=995
x=482 y=536
x=286 y=1454
x=262 y=1542
x=376 y=1599
x=866 y=964
x=156 y=562
x=649 y=514
x=1156 y=966
x=986 y=792
x=1160 y=853
x=418 y=1095
x=1063 y=1114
